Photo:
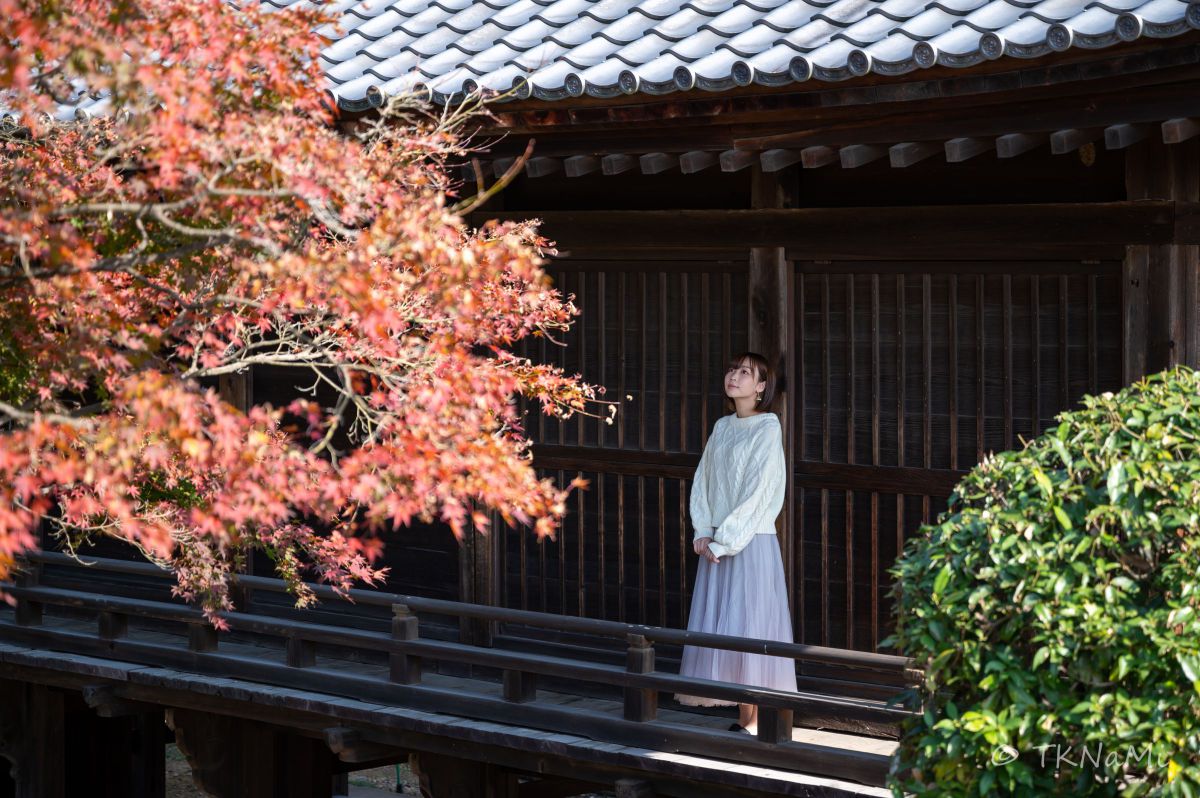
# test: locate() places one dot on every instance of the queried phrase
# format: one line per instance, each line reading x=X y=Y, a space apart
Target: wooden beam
x=1071 y=139
x=1059 y=227
x=1010 y=145
x=103 y=699
x=857 y=155
x=777 y=160
x=1022 y=114
x=349 y=745
x=580 y=165
x=736 y=160
x=1118 y=137
x=1176 y=131
x=910 y=152
x=816 y=157
x=696 y=161
x=617 y=164
x=653 y=163
x=967 y=147
x=1137 y=64
x=541 y=167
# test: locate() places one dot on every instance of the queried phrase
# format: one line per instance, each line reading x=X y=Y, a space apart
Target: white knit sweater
x=739 y=485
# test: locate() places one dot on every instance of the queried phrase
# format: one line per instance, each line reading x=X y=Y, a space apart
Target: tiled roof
x=555 y=49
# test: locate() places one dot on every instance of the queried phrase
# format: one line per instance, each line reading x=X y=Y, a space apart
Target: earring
x=759 y=397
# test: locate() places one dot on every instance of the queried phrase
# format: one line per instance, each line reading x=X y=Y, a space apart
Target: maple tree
x=207 y=216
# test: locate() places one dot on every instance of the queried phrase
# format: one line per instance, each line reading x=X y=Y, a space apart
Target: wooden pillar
x=478 y=580
x=1161 y=286
x=56 y=745
x=772 y=319
x=238 y=390
x=119 y=755
x=238 y=758
x=33 y=740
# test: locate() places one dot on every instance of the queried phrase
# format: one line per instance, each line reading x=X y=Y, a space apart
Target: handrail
x=446 y=651
x=616 y=629
x=306 y=643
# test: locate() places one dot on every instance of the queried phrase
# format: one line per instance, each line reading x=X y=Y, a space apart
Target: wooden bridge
x=92 y=660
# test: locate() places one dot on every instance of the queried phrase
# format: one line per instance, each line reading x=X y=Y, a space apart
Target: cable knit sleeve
x=760 y=497
x=698 y=505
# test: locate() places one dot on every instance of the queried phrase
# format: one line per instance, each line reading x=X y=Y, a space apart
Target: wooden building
x=944 y=220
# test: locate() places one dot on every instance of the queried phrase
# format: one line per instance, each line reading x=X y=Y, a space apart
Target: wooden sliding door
x=910 y=374
x=657 y=334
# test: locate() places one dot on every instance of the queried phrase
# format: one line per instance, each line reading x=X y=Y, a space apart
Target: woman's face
x=742 y=381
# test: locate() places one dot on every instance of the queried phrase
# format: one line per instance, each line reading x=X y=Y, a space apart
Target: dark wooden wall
x=911 y=372
x=657 y=335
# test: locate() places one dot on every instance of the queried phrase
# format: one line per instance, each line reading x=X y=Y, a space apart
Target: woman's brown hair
x=763 y=373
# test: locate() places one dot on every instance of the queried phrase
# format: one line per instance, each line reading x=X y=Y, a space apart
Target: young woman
x=736 y=495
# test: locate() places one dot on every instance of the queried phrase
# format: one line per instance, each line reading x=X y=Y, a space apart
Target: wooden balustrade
x=842 y=658
x=638 y=681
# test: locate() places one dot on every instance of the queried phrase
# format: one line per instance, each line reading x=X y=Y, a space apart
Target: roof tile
x=555 y=49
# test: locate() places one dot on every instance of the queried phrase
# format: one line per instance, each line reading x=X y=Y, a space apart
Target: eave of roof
x=554 y=50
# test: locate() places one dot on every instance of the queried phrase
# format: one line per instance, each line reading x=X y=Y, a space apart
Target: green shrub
x=1056 y=606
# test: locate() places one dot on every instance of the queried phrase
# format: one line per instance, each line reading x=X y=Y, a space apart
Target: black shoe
x=737 y=727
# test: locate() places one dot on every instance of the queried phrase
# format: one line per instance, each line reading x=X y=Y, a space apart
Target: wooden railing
x=408 y=654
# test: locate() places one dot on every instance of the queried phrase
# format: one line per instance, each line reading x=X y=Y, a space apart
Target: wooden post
x=202 y=637
x=301 y=653
x=112 y=625
x=1161 y=286
x=115 y=748
x=149 y=755
x=774 y=725
x=772 y=320
x=520 y=687
x=238 y=390
x=33 y=740
x=478 y=561
x=29 y=612
x=405 y=668
x=640 y=704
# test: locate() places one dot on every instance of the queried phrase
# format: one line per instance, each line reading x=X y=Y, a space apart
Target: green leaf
x=1060 y=449
x=941 y=580
x=1063 y=518
x=1043 y=481
x=1116 y=482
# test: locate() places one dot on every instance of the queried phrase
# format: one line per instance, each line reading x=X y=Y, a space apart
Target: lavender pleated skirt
x=743 y=595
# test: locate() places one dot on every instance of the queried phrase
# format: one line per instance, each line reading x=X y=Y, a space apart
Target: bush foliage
x=1054 y=608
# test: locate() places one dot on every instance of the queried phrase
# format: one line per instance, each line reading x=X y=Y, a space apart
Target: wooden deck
x=374 y=696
